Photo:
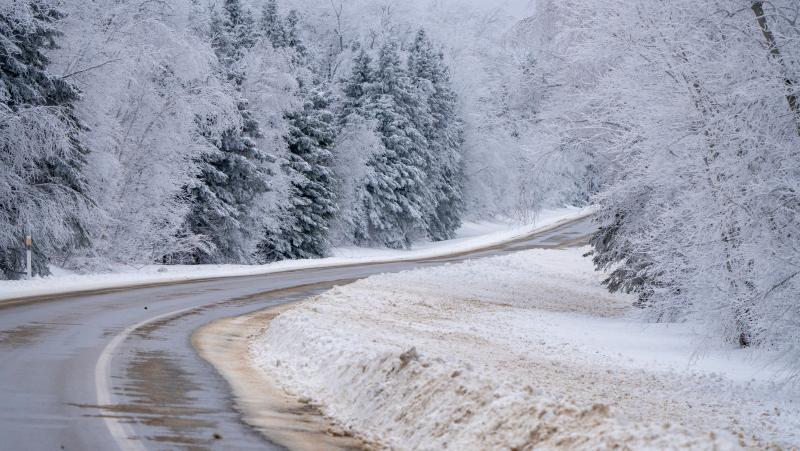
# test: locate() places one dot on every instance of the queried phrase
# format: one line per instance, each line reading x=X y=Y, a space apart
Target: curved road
x=116 y=370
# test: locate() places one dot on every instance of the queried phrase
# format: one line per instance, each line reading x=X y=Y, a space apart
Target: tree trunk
x=774 y=50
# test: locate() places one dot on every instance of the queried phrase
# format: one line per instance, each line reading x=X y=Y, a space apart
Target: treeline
x=687 y=111
x=136 y=133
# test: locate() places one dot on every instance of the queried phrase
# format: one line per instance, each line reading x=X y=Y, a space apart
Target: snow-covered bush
x=43 y=187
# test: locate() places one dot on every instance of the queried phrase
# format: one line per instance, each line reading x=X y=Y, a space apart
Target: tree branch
x=97 y=66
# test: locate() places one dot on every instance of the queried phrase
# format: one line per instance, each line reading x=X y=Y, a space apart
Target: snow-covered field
x=519 y=352
x=471 y=236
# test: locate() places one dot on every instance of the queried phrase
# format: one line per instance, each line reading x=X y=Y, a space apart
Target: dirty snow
x=519 y=352
x=472 y=236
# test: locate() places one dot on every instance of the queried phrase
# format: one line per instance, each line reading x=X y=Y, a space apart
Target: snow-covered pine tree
x=356 y=142
x=272 y=27
x=358 y=88
x=224 y=198
x=233 y=33
x=282 y=33
x=396 y=195
x=293 y=40
x=42 y=187
x=627 y=269
x=239 y=30
x=300 y=227
x=444 y=133
x=303 y=232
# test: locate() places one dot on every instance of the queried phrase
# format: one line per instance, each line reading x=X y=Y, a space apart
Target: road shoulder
x=281 y=417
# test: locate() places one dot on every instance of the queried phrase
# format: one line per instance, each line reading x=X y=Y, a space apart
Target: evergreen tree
x=239 y=26
x=444 y=134
x=414 y=186
x=42 y=186
x=230 y=180
x=282 y=33
x=233 y=33
x=272 y=27
x=300 y=230
x=359 y=87
x=626 y=268
x=293 y=40
x=396 y=193
x=303 y=232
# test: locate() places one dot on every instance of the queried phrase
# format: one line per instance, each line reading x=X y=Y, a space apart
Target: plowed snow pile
x=518 y=352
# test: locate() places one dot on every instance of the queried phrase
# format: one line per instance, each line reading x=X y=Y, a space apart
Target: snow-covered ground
x=471 y=236
x=519 y=352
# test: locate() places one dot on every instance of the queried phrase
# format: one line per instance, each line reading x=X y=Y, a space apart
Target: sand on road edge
x=281 y=417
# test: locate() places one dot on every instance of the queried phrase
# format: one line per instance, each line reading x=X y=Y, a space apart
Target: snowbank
x=473 y=236
x=517 y=352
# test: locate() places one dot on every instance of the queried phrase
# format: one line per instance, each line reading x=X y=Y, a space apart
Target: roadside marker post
x=28 y=244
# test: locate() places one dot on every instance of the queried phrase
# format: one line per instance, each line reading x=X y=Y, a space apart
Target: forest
x=252 y=131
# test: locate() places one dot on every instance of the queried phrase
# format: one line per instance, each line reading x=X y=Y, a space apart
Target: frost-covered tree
x=293 y=40
x=271 y=25
x=412 y=187
x=356 y=144
x=396 y=192
x=43 y=189
x=145 y=76
x=304 y=226
x=358 y=87
x=282 y=32
x=225 y=199
x=304 y=204
x=444 y=136
x=233 y=33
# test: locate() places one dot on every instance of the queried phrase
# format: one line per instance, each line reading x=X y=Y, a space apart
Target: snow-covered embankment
x=516 y=352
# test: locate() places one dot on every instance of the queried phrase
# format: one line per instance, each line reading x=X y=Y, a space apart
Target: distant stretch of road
x=116 y=369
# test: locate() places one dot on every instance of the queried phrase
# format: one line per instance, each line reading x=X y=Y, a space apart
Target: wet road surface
x=116 y=370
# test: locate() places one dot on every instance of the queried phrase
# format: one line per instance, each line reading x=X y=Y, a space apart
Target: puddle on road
x=161 y=397
x=154 y=381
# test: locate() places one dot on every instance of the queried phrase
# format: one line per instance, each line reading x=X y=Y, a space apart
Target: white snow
x=472 y=237
x=519 y=352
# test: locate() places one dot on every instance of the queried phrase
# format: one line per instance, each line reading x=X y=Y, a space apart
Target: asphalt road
x=116 y=370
